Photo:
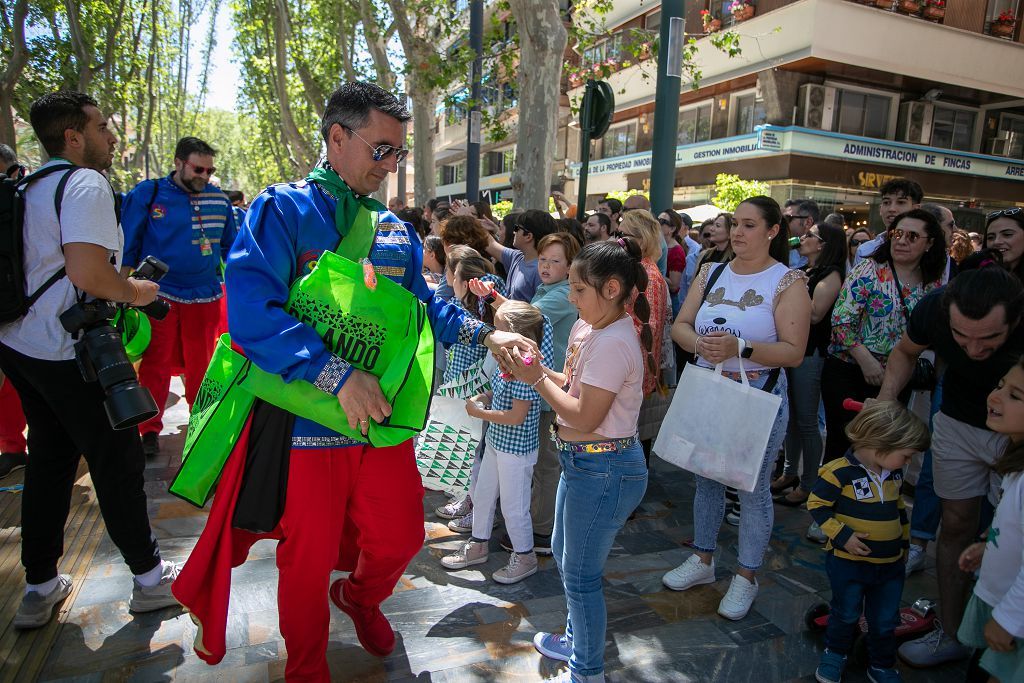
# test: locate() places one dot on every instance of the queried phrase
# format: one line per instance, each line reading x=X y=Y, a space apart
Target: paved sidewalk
x=461 y=626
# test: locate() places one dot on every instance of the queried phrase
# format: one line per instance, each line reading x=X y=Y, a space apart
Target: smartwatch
x=747 y=351
x=489 y=298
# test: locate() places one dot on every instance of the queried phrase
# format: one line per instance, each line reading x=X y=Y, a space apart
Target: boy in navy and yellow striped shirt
x=857 y=504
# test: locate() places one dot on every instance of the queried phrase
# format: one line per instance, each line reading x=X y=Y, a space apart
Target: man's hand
x=361 y=399
x=998 y=638
x=854 y=545
x=501 y=344
x=146 y=290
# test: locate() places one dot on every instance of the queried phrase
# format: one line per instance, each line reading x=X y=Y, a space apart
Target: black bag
x=14 y=300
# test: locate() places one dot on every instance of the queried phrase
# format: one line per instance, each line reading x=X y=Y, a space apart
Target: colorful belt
x=592 y=446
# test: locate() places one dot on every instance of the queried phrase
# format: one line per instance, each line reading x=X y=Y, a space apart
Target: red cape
x=204 y=585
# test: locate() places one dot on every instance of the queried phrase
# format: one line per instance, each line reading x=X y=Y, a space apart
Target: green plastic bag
x=385 y=332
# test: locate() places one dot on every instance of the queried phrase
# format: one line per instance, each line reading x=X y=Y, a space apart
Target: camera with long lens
x=101 y=356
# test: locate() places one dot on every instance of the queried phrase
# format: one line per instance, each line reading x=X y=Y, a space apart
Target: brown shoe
x=794 y=498
x=784 y=483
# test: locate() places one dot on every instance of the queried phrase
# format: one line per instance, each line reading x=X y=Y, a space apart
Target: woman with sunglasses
x=871 y=315
x=1004 y=232
x=824 y=247
x=857 y=238
x=718 y=234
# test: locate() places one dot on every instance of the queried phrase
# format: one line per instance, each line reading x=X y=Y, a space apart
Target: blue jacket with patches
x=287 y=228
x=170 y=225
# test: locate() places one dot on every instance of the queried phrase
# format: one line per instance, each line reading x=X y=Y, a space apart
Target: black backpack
x=14 y=300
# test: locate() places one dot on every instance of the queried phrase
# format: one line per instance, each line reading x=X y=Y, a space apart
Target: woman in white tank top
x=756 y=306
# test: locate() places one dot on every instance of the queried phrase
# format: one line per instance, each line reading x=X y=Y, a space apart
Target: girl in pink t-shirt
x=597 y=400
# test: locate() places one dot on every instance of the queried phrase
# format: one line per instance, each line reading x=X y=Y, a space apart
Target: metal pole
x=402 y=167
x=476 y=43
x=666 y=105
x=586 y=126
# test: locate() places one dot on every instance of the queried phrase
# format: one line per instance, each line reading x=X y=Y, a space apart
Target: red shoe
x=372 y=628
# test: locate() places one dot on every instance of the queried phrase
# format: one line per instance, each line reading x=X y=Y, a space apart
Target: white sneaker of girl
x=738 y=599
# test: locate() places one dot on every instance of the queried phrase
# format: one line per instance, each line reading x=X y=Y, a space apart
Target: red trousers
x=357 y=509
x=12 y=420
x=184 y=339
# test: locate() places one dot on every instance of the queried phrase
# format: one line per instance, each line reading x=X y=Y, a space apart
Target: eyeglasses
x=664 y=221
x=521 y=228
x=201 y=170
x=1004 y=212
x=897 y=234
x=814 y=235
x=795 y=216
x=383 y=151
x=857 y=243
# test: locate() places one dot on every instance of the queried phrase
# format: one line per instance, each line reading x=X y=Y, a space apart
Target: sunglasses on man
x=201 y=170
x=381 y=152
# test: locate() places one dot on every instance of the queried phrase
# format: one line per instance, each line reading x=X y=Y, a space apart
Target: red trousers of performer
x=357 y=509
x=184 y=339
x=12 y=420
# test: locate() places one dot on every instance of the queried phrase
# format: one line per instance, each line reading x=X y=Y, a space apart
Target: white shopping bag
x=718 y=428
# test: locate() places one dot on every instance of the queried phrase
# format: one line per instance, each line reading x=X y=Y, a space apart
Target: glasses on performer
x=201 y=170
x=897 y=234
x=383 y=151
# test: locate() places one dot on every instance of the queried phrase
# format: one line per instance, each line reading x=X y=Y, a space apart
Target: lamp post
x=666 y=104
x=476 y=43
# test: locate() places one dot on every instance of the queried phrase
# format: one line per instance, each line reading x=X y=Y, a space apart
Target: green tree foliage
x=730 y=190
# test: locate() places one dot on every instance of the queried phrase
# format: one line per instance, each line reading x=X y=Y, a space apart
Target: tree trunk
x=147 y=134
x=83 y=55
x=300 y=154
x=542 y=40
x=11 y=73
x=425 y=176
x=376 y=45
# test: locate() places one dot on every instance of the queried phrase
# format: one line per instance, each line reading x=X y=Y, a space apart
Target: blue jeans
x=596 y=494
x=924 y=520
x=758 y=513
x=803 y=440
x=873 y=590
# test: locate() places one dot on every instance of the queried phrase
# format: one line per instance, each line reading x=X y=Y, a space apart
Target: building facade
x=828 y=99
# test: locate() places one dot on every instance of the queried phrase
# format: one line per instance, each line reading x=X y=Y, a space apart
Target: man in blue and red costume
x=348 y=506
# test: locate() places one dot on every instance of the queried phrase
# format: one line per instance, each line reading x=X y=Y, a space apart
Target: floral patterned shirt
x=869 y=313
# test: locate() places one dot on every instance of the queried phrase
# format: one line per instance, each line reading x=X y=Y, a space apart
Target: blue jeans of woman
x=803 y=440
x=870 y=589
x=596 y=494
x=758 y=514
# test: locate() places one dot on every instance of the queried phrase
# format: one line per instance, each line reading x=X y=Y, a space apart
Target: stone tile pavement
x=463 y=627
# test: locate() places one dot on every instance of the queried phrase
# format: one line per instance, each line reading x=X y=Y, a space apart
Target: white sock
x=42 y=588
x=152 y=577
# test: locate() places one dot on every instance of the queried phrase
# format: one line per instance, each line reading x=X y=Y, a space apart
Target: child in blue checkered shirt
x=512 y=412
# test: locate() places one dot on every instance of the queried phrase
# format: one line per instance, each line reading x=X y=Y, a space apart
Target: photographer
x=66 y=415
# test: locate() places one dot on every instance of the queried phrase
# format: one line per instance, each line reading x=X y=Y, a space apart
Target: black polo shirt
x=967 y=383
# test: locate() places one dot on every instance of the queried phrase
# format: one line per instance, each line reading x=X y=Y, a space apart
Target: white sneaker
x=915 y=558
x=738 y=599
x=518 y=568
x=455 y=508
x=814 y=533
x=690 y=573
x=468 y=554
x=462 y=525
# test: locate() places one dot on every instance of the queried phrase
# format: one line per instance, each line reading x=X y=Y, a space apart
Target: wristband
x=542 y=378
x=742 y=347
x=136 y=290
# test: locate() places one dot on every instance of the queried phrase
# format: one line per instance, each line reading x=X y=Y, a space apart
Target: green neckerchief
x=354 y=214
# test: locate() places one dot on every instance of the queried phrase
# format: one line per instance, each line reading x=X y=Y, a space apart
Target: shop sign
x=727 y=149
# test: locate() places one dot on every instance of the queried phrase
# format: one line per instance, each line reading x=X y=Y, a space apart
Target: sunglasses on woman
x=1004 y=212
x=897 y=234
x=857 y=243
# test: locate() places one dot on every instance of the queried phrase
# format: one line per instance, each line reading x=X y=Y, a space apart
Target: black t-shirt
x=967 y=382
x=821 y=332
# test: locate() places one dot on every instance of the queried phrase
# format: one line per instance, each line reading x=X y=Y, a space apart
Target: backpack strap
x=58 y=198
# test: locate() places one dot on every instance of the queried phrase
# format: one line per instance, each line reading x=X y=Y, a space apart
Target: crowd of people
x=582 y=327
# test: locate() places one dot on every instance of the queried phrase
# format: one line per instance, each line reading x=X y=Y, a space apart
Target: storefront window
x=499 y=162
x=750 y=112
x=863 y=114
x=953 y=128
x=694 y=124
x=618 y=142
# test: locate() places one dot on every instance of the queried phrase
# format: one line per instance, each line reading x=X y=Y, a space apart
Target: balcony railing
x=1003 y=25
